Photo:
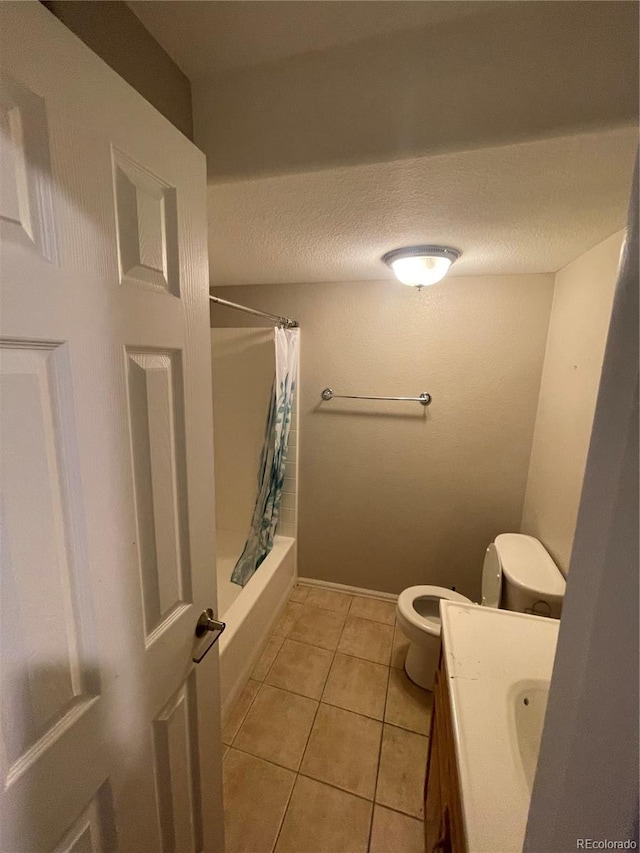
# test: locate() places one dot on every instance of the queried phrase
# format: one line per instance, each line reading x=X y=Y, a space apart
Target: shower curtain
x=274 y=456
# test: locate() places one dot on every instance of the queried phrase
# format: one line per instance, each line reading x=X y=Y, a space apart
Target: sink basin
x=498 y=666
x=528 y=704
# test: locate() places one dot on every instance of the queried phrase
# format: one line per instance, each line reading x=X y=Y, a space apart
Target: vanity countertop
x=498 y=666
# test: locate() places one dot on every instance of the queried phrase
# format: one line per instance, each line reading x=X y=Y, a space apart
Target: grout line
x=375 y=789
x=337 y=788
x=351 y=711
x=321 y=781
x=345 y=617
x=311 y=645
x=346 y=589
x=244 y=716
x=266 y=760
x=270 y=637
x=397 y=811
x=297 y=773
x=373 y=621
x=405 y=729
x=334 y=652
x=366 y=660
x=346 y=594
x=266 y=675
x=285 y=812
x=402 y=729
x=304 y=751
x=347 y=614
x=292 y=692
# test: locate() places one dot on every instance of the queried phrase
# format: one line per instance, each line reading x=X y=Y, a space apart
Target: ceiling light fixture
x=418 y=266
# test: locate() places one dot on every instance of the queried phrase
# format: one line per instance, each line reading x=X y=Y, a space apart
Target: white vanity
x=490 y=698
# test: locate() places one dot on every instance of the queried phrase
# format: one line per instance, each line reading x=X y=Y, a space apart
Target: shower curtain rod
x=281 y=321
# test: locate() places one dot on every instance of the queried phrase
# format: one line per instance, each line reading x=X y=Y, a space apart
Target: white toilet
x=518 y=574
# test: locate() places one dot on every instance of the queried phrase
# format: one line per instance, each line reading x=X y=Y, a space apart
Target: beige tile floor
x=326 y=747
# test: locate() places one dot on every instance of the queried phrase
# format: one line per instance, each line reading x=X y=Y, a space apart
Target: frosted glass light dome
x=419 y=266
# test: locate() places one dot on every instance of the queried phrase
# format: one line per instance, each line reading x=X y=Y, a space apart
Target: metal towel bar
x=424 y=399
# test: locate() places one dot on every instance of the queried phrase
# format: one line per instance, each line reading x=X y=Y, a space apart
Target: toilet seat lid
x=491 y=578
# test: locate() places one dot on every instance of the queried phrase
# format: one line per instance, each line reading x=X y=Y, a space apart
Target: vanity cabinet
x=443 y=822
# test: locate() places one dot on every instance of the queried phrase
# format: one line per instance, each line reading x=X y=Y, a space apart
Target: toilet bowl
x=532 y=584
x=418 y=614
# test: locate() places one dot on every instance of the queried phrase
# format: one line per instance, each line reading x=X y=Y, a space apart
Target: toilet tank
x=531 y=581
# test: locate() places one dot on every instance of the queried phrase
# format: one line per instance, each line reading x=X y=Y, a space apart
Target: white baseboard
x=353 y=590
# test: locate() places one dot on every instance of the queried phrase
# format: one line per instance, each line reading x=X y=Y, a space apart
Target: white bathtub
x=229 y=546
x=250 y=612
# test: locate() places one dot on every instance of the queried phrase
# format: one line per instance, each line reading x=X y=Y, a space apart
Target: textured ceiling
x=525 y=208
x=208 y=38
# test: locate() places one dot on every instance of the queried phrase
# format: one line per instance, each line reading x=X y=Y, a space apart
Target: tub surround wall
x=583 y=297
x=388 y=489
x=288 y=523
x=243 y=367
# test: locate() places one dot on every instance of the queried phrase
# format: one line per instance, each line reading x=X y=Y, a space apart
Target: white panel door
x=109 y=734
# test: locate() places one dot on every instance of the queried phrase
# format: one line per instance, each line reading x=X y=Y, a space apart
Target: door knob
x=205 y=624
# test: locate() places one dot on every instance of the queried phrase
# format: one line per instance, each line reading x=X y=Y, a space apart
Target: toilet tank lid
x=527 y=564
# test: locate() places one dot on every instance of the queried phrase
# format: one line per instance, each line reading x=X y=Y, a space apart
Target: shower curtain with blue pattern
x=274 y=456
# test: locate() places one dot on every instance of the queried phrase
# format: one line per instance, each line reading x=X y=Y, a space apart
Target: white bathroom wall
x=583 y=296
x=586 y=783
x=243 y=367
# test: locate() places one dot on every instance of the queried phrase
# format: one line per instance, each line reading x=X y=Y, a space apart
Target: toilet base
x=422 y=661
